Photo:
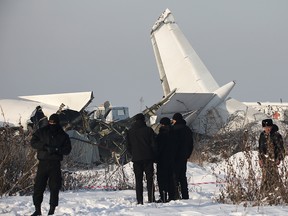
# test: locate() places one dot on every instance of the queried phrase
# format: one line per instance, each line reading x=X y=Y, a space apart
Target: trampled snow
x=203 y=187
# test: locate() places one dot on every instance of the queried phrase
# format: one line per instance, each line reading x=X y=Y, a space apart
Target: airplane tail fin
x=179 y=65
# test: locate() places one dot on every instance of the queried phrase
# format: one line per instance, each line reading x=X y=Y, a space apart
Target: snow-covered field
x=203 y=193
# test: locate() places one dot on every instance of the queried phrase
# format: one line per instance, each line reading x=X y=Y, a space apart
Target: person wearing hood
x=271 y=153
x=184 y=147
x=51 y=143
x=141 y=145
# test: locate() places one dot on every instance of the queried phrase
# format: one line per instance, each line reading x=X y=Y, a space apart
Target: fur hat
x=139 y=117
x=165 y=121
x=267 y=122
x=177 y=117
x=54 y=118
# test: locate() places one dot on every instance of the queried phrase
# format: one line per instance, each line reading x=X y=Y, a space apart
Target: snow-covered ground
x=123 y=203
x=96 y=201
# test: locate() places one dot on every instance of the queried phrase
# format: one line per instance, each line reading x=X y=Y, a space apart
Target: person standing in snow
x=51 y=143
x=184 y=148
x=271 y=153
x=142 y=146
x=166 y=161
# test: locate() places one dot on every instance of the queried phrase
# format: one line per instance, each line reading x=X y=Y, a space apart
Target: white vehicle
x=112 y=114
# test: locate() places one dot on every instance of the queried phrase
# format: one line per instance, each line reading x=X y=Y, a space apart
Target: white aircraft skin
x=17 y=112
x=274 y=110
x=188 y=86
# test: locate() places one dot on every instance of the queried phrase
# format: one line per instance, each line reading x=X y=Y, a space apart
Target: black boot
x=51 y=210
x=37 y=211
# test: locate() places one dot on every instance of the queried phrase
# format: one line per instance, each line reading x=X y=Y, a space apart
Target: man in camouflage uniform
x=271 y=153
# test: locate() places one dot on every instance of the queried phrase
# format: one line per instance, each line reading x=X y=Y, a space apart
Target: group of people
x=169 y=149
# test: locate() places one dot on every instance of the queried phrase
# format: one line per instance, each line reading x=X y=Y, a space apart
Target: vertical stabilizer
x=179 y=65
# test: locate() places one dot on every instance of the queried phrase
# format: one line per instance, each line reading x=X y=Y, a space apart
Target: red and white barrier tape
x=99 y=187
x=201 y=183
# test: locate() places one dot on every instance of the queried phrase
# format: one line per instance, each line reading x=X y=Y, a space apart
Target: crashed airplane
x=98 y=135
x=188 y=86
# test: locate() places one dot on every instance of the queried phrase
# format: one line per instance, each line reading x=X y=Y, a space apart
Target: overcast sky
x=104 y=46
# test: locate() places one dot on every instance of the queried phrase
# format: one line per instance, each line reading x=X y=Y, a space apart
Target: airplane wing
x=75 y=101
x=18 y=112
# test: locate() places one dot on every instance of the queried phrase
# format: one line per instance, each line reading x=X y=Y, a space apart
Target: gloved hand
x=51 y=150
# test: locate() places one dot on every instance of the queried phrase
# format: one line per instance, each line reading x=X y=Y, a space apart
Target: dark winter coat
x=141 y=142
x=184 y=140
x=166 y=146
x=277 y=141
x=51 y=143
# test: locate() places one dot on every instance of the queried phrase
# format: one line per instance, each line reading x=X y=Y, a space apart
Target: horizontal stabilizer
x=184 y=103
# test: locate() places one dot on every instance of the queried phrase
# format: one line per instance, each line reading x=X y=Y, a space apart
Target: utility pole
x=141 y=104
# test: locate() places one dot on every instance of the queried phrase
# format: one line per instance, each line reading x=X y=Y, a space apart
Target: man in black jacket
x=166 y=161
x=142 y=146
x=51 y=143
x=184 y=147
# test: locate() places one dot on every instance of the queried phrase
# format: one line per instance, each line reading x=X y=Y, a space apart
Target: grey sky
x=104 y=46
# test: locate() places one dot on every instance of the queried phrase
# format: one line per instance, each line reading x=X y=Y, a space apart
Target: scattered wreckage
x=97 y=133
x=97 y=136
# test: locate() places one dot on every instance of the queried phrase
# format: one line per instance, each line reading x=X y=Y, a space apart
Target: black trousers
x=166 y=181
x=48 y=171
x=181 y=179
x=141 y=167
